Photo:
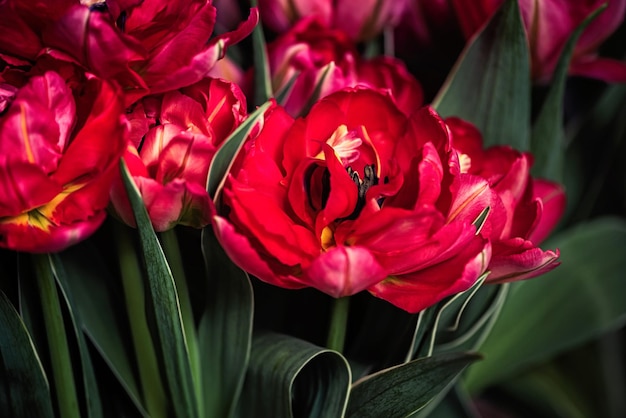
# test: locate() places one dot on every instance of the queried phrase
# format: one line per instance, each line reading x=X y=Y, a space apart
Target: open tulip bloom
x=302 y=222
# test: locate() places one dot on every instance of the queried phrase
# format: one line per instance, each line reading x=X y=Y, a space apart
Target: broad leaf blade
x=163 y=301
x=456 y=403
x=262 y=76
x=24 y=390
x=89 y=279
x=490 y=84
x=92 y=396
x=547 y=142
x=475 y=331
x=577 y=301
x=225 y=330
x=290 y=377
x=403 y=390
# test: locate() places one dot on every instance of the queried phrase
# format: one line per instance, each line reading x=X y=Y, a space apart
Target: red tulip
x=147 y=47
x=58 y=154
x=307 y=52
x=523 y=210
x=361 y=20
x=179 y=133
x=22 y=22
x=325 y=60
x=346 y=200
x=390 y=74
x=549 y=24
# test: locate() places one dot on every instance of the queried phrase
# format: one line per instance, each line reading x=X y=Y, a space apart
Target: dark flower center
x=319 y=188
x=363 y=184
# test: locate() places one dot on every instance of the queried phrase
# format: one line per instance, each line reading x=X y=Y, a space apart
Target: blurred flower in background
x=360 y=20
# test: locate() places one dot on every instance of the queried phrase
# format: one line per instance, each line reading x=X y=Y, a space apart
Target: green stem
x=338 y=322
x=152 y=389
x=62 y=372
x=169 y=242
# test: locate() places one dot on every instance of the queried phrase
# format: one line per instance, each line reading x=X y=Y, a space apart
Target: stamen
x=363 y=186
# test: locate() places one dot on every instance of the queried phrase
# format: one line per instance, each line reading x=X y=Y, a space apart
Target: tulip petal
x=17 y=38
x=282 y=238
x=36 y=127
x=471 y=195
x=553 y=202
x=24 y=187
x=101 y=140
x=26 y=234
x=605 y=69
x=244 y=255
x=423 y=288
x=519 y=259
x=344 y=271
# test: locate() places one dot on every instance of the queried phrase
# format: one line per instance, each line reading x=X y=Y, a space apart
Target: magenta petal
x=605 y=69
x=241 y=252
x=177 y=202
x=93 y=40
x=29 y=238
x=244 y=29
x=24 y=187
x=179 y=51
x=419 y=290
x=344 y=271
x=177 y=77
x=518 y=259
x=36 y=127
x=553 y=201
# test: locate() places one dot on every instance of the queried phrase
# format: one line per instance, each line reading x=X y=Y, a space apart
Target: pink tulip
x=549 y=24
x=523 y=210
x=361 y=20
x=314 y=54
x=147 y=47
x=58 y=154
x=389 y=74
x=324 y=60
x=178 y=135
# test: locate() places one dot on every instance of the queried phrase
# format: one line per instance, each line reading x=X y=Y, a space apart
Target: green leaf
x=89 y=279
x=405 y=389
x=474 y=332
x=61 y=363
x=225 y=330
x=546 y=392
x=262 y=77
x=226 y=154
x=24 y=390
x=162 y=300
x=547 y=142
x=579 y=300
x=459 y=323
x=90 y=385
x=490 y=84
x=455 y=404
x=290 y=377
x=325 y=72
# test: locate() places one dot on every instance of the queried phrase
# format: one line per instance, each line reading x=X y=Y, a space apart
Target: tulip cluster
x=81 y=86
x=350 y=182
x=322 y=189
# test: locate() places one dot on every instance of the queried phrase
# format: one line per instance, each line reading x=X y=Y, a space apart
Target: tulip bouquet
x=311 y=208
